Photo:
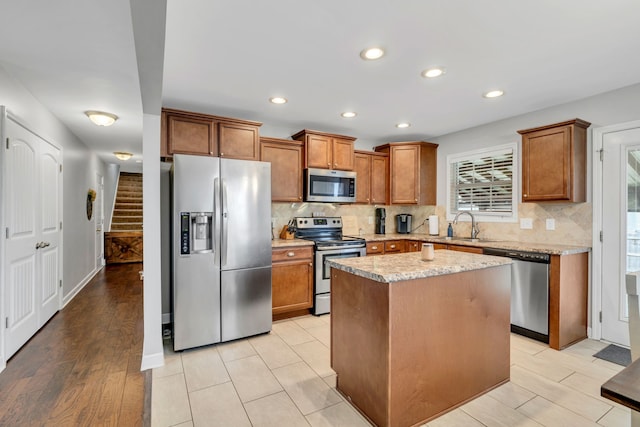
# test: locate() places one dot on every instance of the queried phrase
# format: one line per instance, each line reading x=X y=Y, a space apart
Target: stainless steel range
x=326 y=232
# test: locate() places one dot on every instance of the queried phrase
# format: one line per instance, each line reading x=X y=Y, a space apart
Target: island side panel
x=360 y=342
x=449 y=341
x=568 y=303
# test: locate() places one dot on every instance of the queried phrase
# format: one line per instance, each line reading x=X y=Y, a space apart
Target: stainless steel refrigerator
x=221 y=285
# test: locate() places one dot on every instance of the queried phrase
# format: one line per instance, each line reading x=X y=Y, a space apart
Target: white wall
x=111 y=178
x=80 y=166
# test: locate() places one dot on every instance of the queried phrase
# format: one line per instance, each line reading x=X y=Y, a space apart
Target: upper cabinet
x=372 y=180
x=326 y=150
x=285 y=157
x=554 y=162
x=184 y=132
x=413 y=168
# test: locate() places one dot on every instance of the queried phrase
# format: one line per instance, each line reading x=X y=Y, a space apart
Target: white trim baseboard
x=151 y=361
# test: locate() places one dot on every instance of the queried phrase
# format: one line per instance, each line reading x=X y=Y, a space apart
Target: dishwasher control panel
x=521 y=255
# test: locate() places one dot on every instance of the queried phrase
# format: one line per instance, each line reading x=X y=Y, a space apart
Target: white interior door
x=620 y=227
x=32 y=275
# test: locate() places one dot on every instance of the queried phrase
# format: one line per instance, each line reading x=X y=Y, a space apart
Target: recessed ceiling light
x=349 y=114
x=101 y=118
x=372 y=53
x=493 y=93
x=278 y=100
x=403 y=125
x=433 y=72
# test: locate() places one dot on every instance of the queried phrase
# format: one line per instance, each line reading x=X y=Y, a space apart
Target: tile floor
x=285 y=379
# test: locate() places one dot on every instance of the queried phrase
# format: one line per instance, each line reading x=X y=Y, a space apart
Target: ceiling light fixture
x=278 y=100
x=101 y=118
x=349 y=114
x=372 y=53
x=122 y=155
x=403 y=125
x=493 y=93
x=433 y=72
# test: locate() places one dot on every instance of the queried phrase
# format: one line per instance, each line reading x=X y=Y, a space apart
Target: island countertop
x=408 y=266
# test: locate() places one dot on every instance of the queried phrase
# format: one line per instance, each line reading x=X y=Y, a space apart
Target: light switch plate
x=526 y=223
x=370 y=220
x=551 y=224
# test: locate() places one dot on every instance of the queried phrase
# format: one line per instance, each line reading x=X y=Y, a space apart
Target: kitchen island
x=413 y=339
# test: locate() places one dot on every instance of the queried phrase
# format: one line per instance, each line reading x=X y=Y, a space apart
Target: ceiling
x=228 y=57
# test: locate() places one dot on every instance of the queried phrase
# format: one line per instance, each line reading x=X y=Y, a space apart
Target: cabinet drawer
x=375 y=248
x=462 y=248
x=394 y=246
x=292 y=254
x=412 y=246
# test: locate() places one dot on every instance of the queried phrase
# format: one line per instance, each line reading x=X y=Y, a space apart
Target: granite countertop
x=545 y=248
x=282 y=243
x=408 y=266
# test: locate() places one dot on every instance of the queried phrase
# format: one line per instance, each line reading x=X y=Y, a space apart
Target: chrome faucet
x=474 y=227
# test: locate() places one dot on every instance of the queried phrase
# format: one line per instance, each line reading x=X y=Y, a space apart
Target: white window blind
x=482 y=183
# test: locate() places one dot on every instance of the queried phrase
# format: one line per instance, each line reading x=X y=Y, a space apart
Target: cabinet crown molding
x=577 y=122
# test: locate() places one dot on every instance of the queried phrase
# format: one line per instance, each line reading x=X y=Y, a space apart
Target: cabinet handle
x=290 y=254
x=524 y=195
x=393 y=246
x=375 y=248
x=335 y=164
x=211 y=152
x=221 y=154
x=299 y=197
x=415 y=200
x=329 y=164
x=310 y=264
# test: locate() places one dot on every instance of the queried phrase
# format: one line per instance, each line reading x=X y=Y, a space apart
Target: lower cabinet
x=291 y=279
x=462 y=248
x=412 y=246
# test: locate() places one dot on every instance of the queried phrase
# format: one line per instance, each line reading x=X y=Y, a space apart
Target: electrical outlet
x=370 y=220
x=551 y=224
x=526 y=223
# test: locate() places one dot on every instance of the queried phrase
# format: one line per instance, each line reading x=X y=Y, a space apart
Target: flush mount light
x=493 y=93
x=433 y=72
x=122 y=155
x=403 y=125
x=349 y=114
x=278 y=100
x=371 y=53
x=101 y=118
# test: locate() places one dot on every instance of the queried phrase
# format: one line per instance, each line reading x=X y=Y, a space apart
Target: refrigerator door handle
x=224 y=231
x=214 y=228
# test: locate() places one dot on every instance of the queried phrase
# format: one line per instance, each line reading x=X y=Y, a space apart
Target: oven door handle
x=339 y=247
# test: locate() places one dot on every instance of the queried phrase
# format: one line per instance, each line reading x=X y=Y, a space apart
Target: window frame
x=515 y=184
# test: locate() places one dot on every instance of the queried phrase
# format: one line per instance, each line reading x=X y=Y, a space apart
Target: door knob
x=38 y=245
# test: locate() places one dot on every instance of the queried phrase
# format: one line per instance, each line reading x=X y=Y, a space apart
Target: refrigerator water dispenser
x=196 y=232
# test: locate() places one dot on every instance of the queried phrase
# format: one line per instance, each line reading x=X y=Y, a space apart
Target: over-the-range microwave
x=325 y=185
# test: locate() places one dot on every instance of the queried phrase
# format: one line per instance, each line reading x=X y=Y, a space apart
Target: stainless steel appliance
x=381 y=215
x=325 y=185
x=403 y=223
x=221 y=275
x=529 y=292
x=326 y=232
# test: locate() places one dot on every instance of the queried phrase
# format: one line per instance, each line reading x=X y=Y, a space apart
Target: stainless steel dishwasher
x=529 y=292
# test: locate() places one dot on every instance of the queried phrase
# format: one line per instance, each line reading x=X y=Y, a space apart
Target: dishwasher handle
x=519 y=255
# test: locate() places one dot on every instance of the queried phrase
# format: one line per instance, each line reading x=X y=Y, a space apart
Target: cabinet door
x=412 y=246
x=292 y=279
x=189 y=135
x=363 y=177
x=379 y=179
x=546 y=165
x=286 y=170
x=393 y=246
x=238 y=141
x=462 y=248
x=342 y=154
x=405 y=173
x=318 y=152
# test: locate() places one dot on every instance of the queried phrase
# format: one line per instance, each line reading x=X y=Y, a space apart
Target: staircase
x=127 y=213
x=124 y=242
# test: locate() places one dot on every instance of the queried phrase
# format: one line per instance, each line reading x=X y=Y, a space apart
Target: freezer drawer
x=245 y=302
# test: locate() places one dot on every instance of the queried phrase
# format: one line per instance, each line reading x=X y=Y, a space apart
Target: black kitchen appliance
x=403 y=223
x=381 y=215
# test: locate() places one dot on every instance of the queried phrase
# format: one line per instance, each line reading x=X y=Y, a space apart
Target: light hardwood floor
x=284 y=379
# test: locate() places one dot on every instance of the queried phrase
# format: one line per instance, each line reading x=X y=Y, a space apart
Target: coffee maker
x=381 y=215
x=403 y=223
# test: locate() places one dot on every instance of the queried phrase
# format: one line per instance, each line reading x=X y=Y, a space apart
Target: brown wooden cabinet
x=326 y=150
x=285 y=157
x=412 y=172
x=393 y=246
x=375 y=248
x=554 y=162
x=372 y=180
x=291 y=279
x=185 y=132
x=462 y=248
x=412 y=246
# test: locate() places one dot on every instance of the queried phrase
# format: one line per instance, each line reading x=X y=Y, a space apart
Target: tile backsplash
x=573 y=222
